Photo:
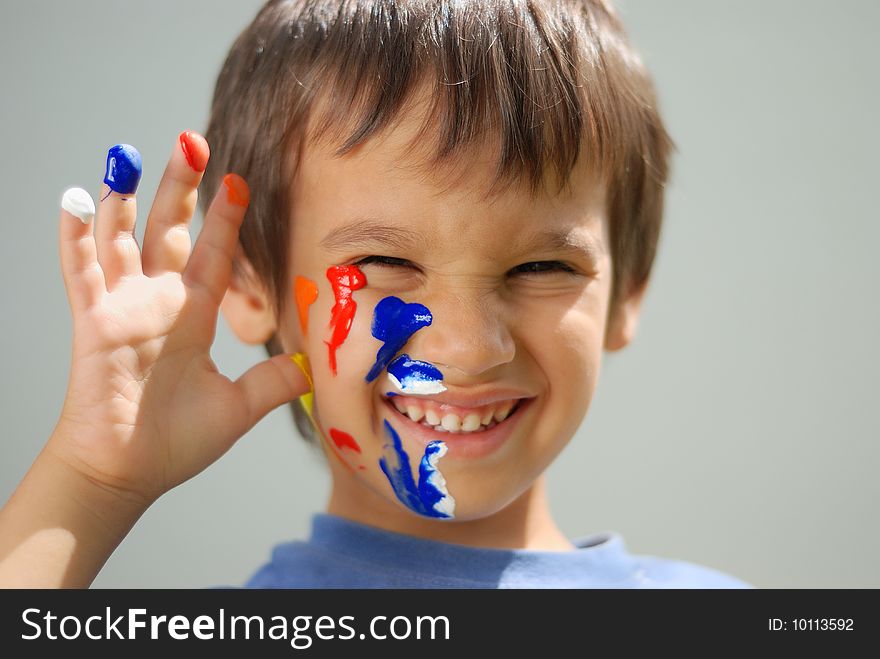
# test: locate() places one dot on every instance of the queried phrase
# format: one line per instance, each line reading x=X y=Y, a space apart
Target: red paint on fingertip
x=195 y=150
x=344 y=279
x=237 y=190
x=344 y=440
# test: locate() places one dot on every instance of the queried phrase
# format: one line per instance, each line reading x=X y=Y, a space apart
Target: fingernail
x=237 y=191
x=192 y=145
x=78 y=202
x=123 y=169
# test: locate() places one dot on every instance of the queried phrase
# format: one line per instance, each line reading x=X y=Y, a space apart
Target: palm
x=146 y=406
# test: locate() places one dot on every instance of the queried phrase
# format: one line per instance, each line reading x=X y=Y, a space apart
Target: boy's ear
x=623 y=319
x=246 y=305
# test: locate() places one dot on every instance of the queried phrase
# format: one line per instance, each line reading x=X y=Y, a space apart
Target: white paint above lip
x=417 y=387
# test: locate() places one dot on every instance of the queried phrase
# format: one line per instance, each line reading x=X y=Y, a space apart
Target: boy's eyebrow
x=373 y=232
x=370 y=232
x=569 y=241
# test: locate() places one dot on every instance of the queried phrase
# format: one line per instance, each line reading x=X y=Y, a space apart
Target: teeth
x=471 y=422
x=451 y=422
x=432 y=418
x=415 y=413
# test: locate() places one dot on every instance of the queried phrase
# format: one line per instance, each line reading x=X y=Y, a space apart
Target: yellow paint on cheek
x=308 y=403
x=307 y=400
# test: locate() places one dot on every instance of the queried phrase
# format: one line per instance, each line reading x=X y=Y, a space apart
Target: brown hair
x=552 y=80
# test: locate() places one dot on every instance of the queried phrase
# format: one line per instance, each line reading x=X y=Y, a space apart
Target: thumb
x=273 y=382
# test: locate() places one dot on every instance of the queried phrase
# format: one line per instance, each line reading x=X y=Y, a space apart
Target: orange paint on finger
x=305 y=292
x=237 y=190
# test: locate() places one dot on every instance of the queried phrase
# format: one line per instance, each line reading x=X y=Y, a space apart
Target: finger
x=83 y=277
x=210 y=265
x=269 y=384
x=167 y=243
x=118 y=251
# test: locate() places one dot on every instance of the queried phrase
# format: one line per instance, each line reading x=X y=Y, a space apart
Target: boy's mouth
x=469 y=432
x=444 y=417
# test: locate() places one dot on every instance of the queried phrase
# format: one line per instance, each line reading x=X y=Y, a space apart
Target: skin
x=543 y=334
x=146 y=407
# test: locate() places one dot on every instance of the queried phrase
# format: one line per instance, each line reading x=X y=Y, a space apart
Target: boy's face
x=507 y=298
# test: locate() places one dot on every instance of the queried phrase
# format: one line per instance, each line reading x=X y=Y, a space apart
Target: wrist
x=115 y=508
x=96 y=490
x=60 y=526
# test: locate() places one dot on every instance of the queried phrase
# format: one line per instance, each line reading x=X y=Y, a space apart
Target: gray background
x=739 y=430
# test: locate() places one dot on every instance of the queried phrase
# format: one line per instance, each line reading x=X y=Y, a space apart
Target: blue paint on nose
x=394 y=322
x=124 y=167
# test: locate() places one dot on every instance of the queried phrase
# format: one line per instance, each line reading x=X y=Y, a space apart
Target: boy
x=451 y=210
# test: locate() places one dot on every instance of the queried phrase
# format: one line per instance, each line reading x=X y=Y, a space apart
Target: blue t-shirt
x=344 y=554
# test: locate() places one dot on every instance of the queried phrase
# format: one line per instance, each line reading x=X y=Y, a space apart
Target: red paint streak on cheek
x=344 y=440
x=306 y=292
x=334 y=449
x=345 y=279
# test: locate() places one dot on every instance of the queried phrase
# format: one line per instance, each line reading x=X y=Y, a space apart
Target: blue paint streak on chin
x=124 y=167
x=410 y=372
x=429 y=494
x=394 y=322
x=395 y=463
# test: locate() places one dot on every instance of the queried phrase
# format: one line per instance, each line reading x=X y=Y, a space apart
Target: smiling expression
x=517 y=288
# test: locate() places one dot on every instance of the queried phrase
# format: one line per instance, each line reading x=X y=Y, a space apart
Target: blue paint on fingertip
x=394 y=322
x=124 y=167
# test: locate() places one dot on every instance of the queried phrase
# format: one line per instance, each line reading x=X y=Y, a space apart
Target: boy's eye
x=532 y=268
x=542 y=267
x=384 y=261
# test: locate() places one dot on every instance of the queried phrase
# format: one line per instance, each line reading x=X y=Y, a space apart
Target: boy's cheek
x=573 y=361
x=344 y=408
x=344 y=397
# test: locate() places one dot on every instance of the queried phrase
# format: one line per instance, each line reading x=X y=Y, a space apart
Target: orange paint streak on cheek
x=305 y=292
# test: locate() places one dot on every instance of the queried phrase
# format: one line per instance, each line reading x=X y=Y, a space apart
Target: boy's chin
x=471 y=504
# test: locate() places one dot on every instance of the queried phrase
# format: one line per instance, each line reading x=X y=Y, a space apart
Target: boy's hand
x=146 y=407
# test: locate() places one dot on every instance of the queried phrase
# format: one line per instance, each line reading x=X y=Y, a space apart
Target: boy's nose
x=468 y=334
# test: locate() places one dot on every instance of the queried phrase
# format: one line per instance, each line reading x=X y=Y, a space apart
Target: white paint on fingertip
x=78 y=202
